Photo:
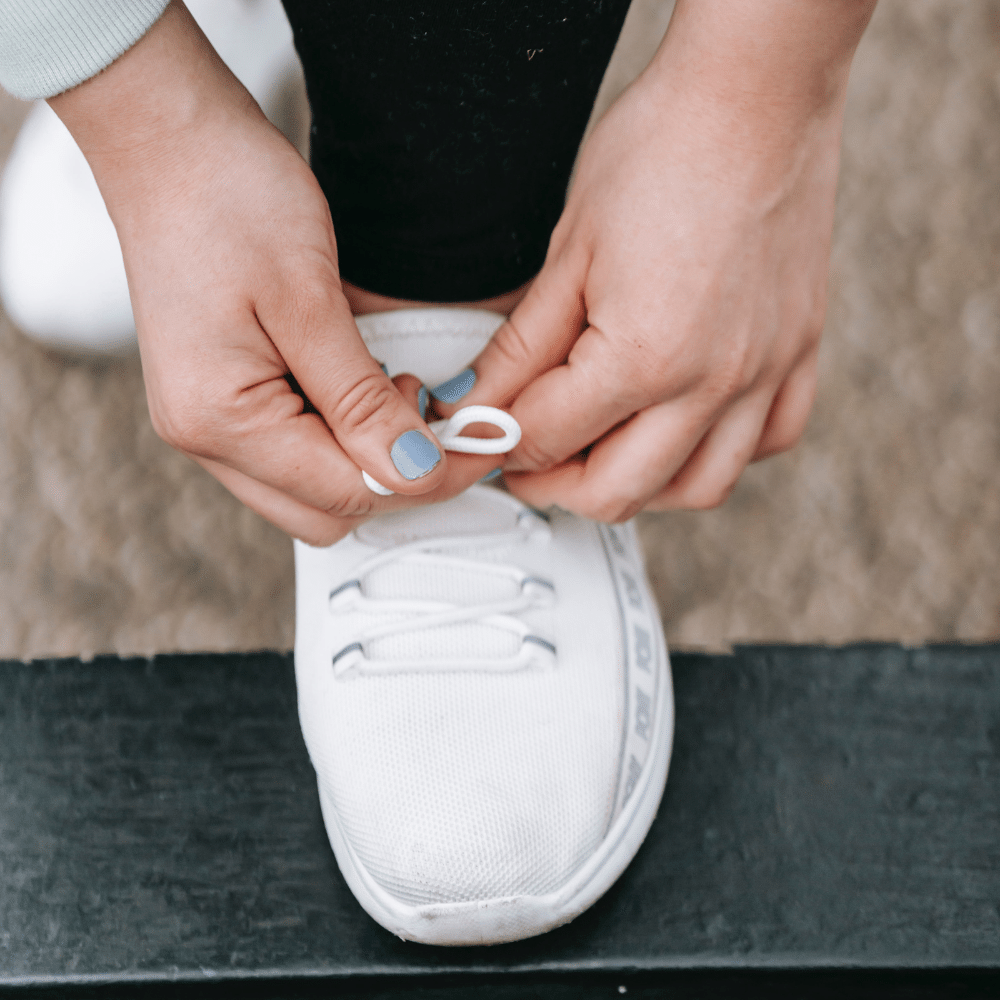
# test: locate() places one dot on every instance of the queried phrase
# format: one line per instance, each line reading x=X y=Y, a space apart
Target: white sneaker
x=484 y=692
x=62 y=279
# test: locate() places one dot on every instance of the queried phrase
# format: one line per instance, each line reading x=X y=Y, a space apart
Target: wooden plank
x=831 y=823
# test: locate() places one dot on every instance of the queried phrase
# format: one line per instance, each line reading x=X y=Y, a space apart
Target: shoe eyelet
x=345 y=595
x=541 y=592
x=346 y=662
x=535 y=525
x=538 y=652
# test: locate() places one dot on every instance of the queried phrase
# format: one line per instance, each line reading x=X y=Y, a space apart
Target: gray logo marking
x=643 y=648
x=643 y=713
x=616 y=543
x=632 y=591
x=634 y=770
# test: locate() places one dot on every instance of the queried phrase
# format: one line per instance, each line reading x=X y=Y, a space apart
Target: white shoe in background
x=62 y=279
x=484 y=691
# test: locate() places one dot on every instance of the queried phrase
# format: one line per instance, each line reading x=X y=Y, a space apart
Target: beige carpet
x=883 y=524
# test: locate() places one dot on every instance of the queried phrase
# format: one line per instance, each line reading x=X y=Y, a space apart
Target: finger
x=381 y=433
x=294 y=452
x=574 y=404
x=318 y=527
x=622 y=470
x=562 y=381
x=243 y=414
x=663 y=456
x=285 y=512
x=414 y=392
x=537 y=336
x=308 y=523
x=790 y=410
x=708 y=476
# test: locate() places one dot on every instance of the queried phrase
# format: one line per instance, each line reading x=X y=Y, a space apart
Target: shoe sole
x=501 y=920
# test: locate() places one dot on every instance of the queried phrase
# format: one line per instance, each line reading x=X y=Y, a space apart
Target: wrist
x=153 y=111
x=760 y=70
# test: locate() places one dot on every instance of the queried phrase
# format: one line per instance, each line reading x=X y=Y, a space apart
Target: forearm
x=147 y=116
x=759 y=69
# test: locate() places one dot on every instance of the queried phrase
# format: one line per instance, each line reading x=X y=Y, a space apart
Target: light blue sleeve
x=48 y=46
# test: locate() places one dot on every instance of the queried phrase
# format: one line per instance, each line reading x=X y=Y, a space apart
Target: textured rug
x=883 y=524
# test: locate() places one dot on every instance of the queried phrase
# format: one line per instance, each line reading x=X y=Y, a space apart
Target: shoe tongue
x=433 y=344
x=477 y=511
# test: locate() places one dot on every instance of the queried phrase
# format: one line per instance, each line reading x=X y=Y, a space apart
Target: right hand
x=232 y=268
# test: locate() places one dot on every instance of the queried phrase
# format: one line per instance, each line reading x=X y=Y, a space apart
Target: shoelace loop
x=533 y=592
x=449 y=433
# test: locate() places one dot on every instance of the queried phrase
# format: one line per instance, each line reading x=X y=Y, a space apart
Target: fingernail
x=385 y=370
x=455 y=388
x=414 y=455
x=491 y=475
x=422 y=401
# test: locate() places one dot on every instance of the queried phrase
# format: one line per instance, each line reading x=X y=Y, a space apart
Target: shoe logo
x=643 y=665
x=616 y=543
x=643 y=713
x=643 y=648
x=632 y=778
x=632 y=591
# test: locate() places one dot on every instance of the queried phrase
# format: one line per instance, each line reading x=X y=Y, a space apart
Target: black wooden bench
x=831 y=827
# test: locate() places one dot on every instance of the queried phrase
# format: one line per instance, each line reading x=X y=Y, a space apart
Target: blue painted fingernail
x=385 y=371
x=414 y=455
x=455 y=388
x=491 y=475
x=422 y=401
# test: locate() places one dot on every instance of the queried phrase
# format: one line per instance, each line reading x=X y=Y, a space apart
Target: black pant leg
x=444 y=133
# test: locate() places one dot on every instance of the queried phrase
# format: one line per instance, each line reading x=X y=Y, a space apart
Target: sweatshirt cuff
x=48 y=46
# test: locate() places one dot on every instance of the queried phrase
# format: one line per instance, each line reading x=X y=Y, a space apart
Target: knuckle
x=813 y=332
x=730 y=380
x=304 y=297
x=784 y=438
x=706 y=498
x=512 y=345
x=184 y=425
x=610 y=510
x=311 y=291
x=715 y=380
x=623 y=513
x=358 y=503
x=648 y=382
x=321 y=537
x=364 y=406
x=537 y=457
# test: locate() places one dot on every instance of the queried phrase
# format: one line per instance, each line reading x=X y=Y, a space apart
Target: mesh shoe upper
x=470 y=783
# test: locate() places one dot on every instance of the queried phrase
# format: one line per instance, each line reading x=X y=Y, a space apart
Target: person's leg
x=444 y=136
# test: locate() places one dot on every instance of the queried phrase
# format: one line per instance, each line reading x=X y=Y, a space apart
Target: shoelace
x=449 y=433
x=411 y=615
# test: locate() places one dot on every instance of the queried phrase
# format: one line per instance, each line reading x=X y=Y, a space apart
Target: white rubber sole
x=496 y=921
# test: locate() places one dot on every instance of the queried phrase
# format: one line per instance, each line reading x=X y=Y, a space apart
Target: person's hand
x=672 y=334
x=232 y=268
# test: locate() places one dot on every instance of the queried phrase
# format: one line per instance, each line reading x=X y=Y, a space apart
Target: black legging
x=444 y=133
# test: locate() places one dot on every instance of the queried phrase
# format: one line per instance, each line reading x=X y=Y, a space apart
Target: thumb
x=377 y=428
x=537 y=336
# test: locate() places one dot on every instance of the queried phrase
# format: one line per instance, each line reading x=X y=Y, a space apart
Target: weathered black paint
x=831 y=826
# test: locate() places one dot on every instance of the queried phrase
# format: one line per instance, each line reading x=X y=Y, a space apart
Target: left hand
x=673 y=331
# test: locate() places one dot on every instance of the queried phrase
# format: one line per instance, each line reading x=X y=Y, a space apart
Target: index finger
x=570 y=406
x=537 y=336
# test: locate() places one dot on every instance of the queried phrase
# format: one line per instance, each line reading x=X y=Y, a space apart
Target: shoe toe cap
x=481 y=799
